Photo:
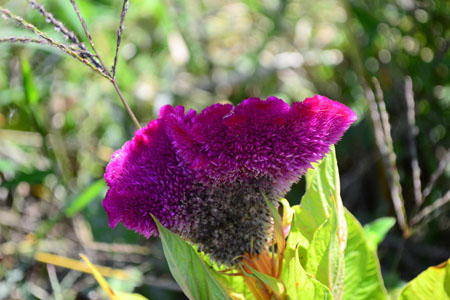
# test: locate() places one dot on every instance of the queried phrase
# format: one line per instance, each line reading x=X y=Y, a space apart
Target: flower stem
x=124 y=102
x=110 y=76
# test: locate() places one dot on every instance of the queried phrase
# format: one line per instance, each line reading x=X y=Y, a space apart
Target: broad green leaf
x=31 y=93
x=319 y=229
x=295 y=239
x=322 y=194
x=301 y=285
x=197 y=281
x=325 y=258
x=362 y=270
x=377 y=230
x=288 y=214
x=86 y=197
x=234 y=284
x=433 y=283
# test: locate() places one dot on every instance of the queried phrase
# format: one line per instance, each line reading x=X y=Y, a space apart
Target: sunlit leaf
x=362 y=270
x=377 y=230
x=322 y=194
x=433 y=283
x=325 y=259
x=288 y=215
x=296 y=239
x=235 y=285
x=301 y=285
x=319 y=229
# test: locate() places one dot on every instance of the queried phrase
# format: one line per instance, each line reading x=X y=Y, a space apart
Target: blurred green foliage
x=60 y=122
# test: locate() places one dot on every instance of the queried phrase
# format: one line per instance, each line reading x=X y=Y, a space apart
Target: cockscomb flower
x=205 y=175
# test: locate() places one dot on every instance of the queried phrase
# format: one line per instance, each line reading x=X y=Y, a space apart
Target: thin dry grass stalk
x=105 y=69
x=387 y=154
x=67 y=34
x=23 y=40
x=412 y=133
x=435 y=176
x=65 y=48
x=119 y=35
x=59 y=26
x=88 y=35
x=431 y=208
x=78 y=50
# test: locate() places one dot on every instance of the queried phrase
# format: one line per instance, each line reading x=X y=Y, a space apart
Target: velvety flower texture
x=203 y=175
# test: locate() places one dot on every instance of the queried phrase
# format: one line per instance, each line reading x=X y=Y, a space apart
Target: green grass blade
x=31 y=93
x=86 y=197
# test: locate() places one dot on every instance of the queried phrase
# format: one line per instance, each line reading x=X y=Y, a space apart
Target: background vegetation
x=60 y=121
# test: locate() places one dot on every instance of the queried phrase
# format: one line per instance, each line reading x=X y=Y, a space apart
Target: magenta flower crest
x=203 y=175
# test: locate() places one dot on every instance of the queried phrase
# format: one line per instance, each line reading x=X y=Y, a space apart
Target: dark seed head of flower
x=230 y=220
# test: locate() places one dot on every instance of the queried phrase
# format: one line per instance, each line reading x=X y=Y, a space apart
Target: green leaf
x=237 y=286
x=362 y=270
x=433 y=283
x=325 y=258
x=234 y=284
x=301 y=285
x=86 y=197
x=274 y=284
x=322 y=194
x=296 y=239
x=31 y=93
x=319 y=229
x=377 y=230
x=197 y=281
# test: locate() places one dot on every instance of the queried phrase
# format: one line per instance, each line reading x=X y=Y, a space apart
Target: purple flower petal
x=203 y=175
x=260 y=138
x=146 y=177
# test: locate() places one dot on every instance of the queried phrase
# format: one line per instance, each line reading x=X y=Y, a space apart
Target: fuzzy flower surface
x=204 y=175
